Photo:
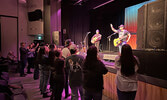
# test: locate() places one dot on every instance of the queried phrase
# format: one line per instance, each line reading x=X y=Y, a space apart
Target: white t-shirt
x=123 y=33
x=66 y=52
x=125 y=83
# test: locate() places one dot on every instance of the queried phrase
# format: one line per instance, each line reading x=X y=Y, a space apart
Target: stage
x=151 y=74
x=152 y=68
x=108 y=58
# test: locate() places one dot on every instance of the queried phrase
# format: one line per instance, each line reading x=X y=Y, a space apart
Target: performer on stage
x=96 y=39
x=123 y=34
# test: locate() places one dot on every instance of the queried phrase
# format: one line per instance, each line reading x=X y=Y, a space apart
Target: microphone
x=111 y=35
x=114 y=33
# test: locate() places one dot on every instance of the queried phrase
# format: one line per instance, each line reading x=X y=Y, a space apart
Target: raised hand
x=111 y=25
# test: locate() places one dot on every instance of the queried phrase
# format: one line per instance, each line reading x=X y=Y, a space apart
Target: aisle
x=31 y=87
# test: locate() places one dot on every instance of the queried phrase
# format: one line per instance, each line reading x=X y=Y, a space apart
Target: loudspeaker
x=151 y=26
x=55 y=36
x=35 y=15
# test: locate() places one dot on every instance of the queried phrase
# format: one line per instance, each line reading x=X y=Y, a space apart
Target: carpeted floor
x=31 y=87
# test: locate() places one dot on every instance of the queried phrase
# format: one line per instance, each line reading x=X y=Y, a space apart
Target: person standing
x=51 y=56
x=123 y=34
x=96 y=39
x=57 y=78
x=23 y=58
x=30 y=58
x=65 y=54
x=93 y=71
x=36 y=67
x=73 y=66
x=126 y=77
x=42 y=60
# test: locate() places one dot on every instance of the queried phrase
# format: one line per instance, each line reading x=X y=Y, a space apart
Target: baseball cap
x=121 y=26
x=73 y=47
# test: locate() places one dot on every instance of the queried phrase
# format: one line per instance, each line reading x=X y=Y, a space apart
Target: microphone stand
x=85 y=40
x=111 y=35
x=109 y=39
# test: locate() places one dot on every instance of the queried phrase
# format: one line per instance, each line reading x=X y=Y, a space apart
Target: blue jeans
x=126 y=95
x=74 y=92
x=93 y=95
x=120 y=46
x=44 y=78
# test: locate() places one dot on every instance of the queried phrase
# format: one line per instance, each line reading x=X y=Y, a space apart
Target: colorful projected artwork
x=131 y=21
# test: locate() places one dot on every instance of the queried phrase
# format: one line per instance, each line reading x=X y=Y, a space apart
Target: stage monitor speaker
x=151 y=26
x=35 y=15
x=55 y=37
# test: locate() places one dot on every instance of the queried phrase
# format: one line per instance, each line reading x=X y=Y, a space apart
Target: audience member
x=126 y=77
x=31 y=53
x=73 y=66
x=11 y=57
x=36 y=67
x=51 y=56
x=42 y=60
x=93 y=71
x=23 y=58
x=57 y=78
x=65 y=54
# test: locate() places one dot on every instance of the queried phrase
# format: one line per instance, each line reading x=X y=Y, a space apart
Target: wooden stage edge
x=108 y=59
x=149 y=88
x=145 y=91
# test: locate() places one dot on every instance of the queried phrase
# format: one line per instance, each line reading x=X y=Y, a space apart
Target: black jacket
x=93 y=76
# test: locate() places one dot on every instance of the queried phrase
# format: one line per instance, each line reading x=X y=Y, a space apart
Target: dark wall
x=101 y=19
x=152 y=63
x=75 y=20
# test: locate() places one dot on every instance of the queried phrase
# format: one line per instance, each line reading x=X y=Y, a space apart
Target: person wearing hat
x=73 y=66
x=123 y=34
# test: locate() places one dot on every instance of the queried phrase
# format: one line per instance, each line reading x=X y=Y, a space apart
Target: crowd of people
x=62 y=68
x=66 y=67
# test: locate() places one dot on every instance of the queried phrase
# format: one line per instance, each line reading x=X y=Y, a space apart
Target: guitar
x=118 y=41
x=95 y=39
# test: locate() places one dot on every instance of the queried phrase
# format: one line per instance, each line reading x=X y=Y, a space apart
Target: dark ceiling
x=90 y=4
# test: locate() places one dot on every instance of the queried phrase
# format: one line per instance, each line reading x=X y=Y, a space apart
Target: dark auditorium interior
x=29 y=26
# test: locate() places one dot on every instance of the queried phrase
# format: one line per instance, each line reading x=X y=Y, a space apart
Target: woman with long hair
x=42 y=60
x=57 y=78
x=93 y=71
x=126 y=78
